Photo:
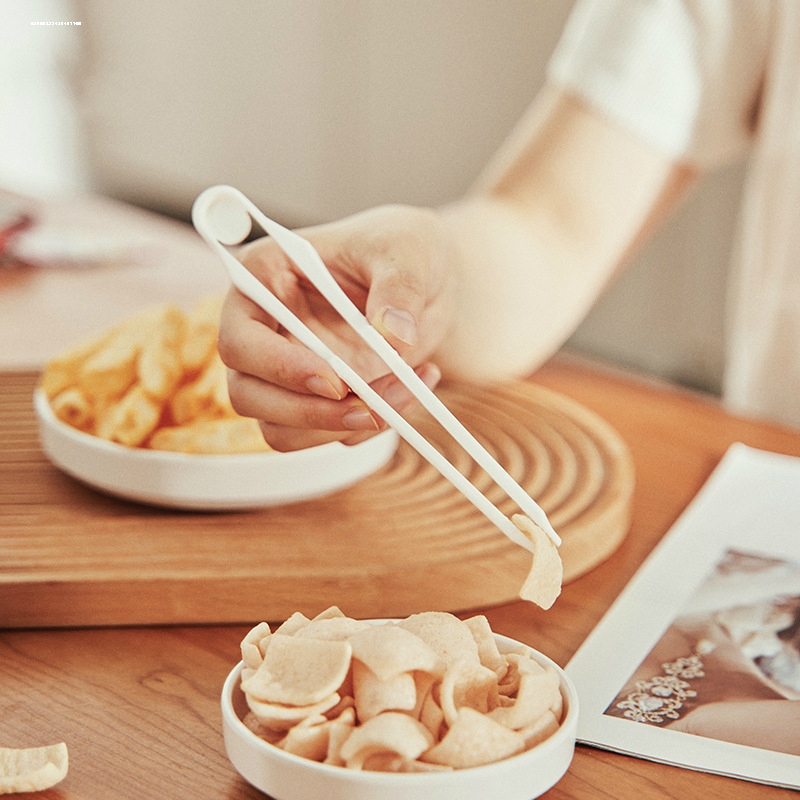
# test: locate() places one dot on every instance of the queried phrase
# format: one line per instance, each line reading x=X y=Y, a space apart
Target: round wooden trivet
x=405 y=540
x=402 y=540
x=566 y=457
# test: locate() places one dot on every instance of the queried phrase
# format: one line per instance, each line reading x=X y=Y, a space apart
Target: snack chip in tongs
x=224 y=216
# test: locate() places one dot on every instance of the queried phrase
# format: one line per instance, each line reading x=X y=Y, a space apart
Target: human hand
x=396 y=264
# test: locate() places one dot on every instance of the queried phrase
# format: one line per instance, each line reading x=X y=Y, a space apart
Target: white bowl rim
x=208 y=482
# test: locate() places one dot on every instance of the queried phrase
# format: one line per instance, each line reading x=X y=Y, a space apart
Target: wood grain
x=401 y=541
x=139 y=710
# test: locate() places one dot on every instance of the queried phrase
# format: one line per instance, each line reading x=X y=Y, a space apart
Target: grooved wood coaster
x=401 y=541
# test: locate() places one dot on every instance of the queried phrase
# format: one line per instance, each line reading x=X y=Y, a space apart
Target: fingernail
x=316 y=384
x=400 y=324
x=359 y=418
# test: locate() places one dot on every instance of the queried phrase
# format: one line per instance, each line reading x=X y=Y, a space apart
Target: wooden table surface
x=139 y=707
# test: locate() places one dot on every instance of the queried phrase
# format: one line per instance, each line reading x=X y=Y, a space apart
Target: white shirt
x=706 y=81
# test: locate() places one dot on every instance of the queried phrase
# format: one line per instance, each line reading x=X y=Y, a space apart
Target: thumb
x=394 y=305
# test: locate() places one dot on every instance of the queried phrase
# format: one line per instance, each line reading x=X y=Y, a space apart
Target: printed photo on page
x=728 y=667
x=706 y=638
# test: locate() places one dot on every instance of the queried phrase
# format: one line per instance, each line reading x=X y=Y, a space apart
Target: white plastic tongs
x=223 y=216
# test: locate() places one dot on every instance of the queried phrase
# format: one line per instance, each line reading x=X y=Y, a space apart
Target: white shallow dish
x=284 y=776
x=208 y=482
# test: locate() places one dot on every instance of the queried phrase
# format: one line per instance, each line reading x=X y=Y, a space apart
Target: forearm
x=516 y=301
x=544 y=232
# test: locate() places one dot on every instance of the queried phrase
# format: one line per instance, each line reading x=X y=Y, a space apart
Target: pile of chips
x=154 y=380
x=424 y=694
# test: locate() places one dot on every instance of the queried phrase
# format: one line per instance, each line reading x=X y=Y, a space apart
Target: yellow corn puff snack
x=206 y=397
x=131 y=420
x=62 y=371
x=73 y=407
x=112 y=370
x=200 y=340
x=159 y=365
x=229 y=435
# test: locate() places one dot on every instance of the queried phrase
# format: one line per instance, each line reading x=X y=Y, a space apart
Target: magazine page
x=697 y=663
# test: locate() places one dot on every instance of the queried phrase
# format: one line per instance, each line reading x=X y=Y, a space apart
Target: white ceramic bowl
x=284 y=776
x=208 y=482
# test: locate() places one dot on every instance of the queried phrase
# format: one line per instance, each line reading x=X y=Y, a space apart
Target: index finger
x=250 y=343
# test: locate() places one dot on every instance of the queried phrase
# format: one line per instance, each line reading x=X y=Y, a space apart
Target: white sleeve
x=684 y=75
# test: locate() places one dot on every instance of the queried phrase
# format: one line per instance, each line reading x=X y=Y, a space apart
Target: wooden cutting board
x=401 y=541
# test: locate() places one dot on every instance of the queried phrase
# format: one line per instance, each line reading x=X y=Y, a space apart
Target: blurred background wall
x=319 y=108
x=41 y=144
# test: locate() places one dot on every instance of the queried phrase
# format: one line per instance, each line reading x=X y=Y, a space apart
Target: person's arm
x=554 y=217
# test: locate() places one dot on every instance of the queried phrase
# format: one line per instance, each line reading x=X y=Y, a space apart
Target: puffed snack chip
x=32 y=769
x=427 y=693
